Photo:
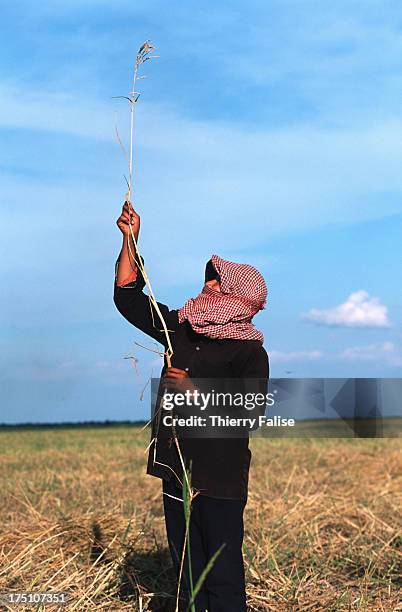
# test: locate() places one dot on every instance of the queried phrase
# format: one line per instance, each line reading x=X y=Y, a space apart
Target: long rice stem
x=142 y=56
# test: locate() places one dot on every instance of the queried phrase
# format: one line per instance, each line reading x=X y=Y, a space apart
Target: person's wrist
x=128 y=235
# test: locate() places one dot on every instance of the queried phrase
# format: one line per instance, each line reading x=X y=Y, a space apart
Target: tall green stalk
x=188 y=497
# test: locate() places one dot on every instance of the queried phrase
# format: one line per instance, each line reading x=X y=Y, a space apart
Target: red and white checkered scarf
x=228 y=313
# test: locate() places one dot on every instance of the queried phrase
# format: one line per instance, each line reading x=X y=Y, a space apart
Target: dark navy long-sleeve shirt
x=219 y=466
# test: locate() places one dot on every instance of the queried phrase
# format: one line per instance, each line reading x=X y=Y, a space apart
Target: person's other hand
x=178 y=380
x=175 y=373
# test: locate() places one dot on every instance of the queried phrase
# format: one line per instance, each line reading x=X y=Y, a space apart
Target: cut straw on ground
x=322 y=524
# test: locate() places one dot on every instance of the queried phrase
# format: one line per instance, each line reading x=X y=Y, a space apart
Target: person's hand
x=175 y=373
x=128 y=218
x=178 y=380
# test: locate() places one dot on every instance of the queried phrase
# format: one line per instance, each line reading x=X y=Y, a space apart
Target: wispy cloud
x=293 y=178
x=55 y=111
x=70 y=370
x=290 y=356
x=111 y=371
x=359 y=310
x=386 y=352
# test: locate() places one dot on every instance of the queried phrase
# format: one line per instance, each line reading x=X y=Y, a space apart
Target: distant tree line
x=69 y=424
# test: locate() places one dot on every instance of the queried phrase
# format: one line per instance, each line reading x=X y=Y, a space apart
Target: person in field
x=213 y=337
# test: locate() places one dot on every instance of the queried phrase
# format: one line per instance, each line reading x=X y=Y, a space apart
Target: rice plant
x=144 y=54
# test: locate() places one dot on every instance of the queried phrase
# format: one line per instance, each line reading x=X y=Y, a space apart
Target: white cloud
x=281 y=356
x=359 y=310
x=386 y=352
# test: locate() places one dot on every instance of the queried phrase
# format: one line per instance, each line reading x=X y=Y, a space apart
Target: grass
x=79 y=514
x=387 y=427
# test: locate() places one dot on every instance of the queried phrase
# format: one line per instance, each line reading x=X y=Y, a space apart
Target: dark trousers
x=213 y=522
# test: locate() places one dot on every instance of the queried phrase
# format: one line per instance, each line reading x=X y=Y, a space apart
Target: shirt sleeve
x=136 y=307
x=130 y=278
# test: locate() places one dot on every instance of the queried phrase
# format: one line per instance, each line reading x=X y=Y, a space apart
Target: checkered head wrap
x=228 y=313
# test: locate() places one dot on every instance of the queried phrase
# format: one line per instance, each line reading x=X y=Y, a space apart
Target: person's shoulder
x=251 y=359
x=251 y=350
x=259 y=352
x=173 y=320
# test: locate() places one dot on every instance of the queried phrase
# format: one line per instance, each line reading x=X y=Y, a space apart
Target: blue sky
x=267 y=132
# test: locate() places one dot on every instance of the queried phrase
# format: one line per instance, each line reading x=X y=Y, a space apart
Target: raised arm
x=129 y=298
x=127 y=269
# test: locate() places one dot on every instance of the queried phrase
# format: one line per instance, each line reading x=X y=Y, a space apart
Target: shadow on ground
x=142 y=575
x=149 y=572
